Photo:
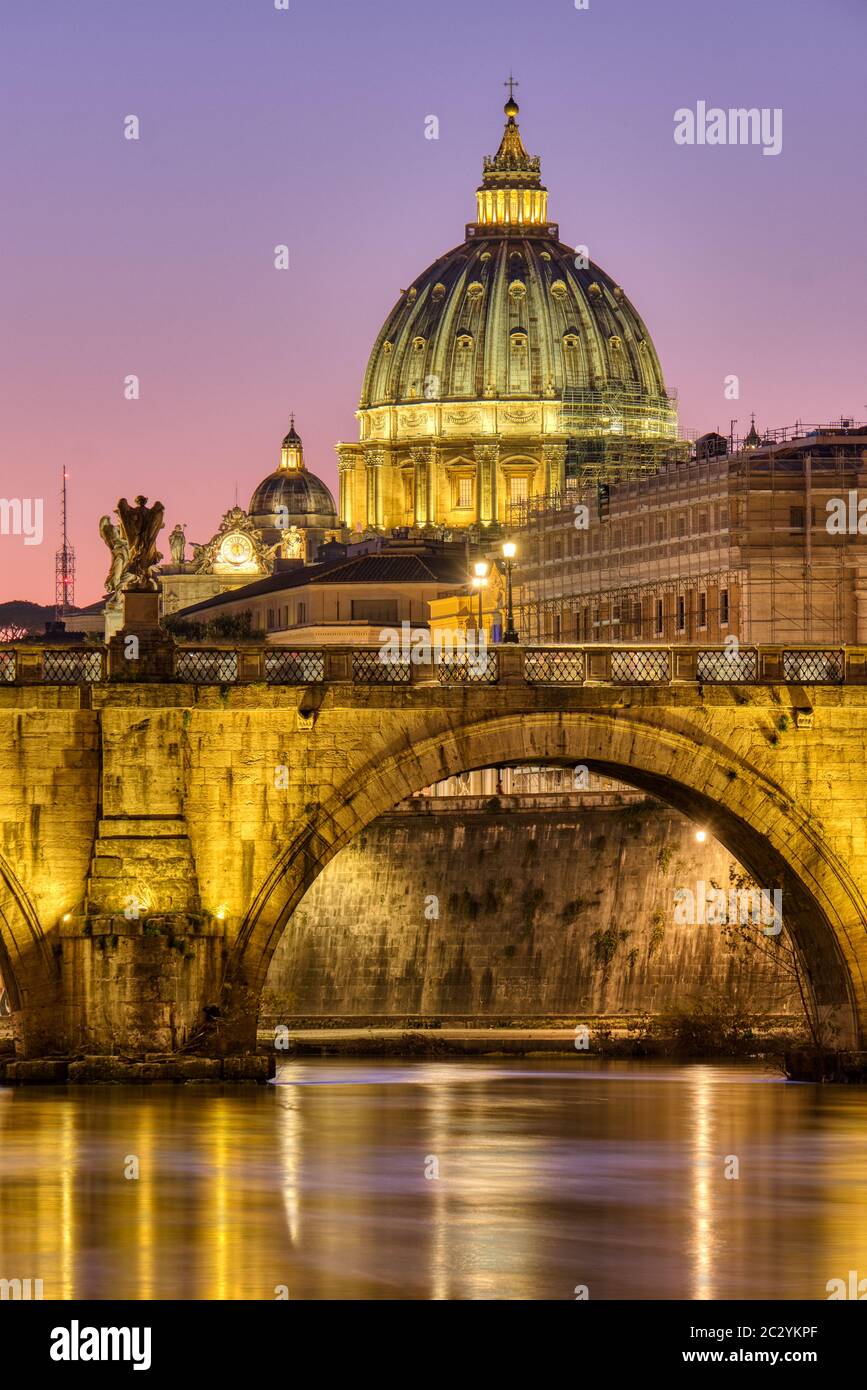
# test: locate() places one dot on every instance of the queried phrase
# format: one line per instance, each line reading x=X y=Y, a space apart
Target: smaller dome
x=298 y=494
x=291 y=495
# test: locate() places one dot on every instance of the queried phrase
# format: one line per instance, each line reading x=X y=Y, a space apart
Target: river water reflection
x=552 y=1174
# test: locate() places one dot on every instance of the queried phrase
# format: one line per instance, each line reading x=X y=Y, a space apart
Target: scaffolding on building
x=731 y=544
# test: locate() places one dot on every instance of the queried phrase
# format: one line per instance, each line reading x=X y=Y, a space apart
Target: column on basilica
x=486 y=455
x=374 y=459
x=345 y=471
x=424 y=484
x=433 y=465
x=555 y=469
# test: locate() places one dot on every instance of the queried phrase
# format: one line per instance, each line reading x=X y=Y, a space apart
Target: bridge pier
x=119 y=988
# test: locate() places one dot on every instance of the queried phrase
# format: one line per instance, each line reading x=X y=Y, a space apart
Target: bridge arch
x=740 y=805
x=27 y=966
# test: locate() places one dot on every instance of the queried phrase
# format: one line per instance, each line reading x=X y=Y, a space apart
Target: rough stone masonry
x=151 y=853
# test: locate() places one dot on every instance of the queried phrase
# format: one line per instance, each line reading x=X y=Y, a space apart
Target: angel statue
x=294 y=543
x=141 y=525
x=119 y=553
x=178 y=544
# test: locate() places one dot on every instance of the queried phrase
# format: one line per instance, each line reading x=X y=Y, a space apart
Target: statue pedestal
x=141 y=610
x=141 y=650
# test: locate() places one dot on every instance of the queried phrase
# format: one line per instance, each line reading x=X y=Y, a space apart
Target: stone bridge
x=157 y=833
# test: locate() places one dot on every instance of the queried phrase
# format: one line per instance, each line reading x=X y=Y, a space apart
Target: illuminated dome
x=509 y=314
x=292 y=495
x=302 y=496
x=512 y=368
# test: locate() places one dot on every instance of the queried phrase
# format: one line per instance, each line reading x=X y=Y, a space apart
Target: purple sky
x=260 y=127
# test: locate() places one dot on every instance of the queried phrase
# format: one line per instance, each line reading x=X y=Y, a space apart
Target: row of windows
x=644 y=532
x=279 y=617
x=464 y=492
x=369 y=610
x=588 y=622
x=652 y=531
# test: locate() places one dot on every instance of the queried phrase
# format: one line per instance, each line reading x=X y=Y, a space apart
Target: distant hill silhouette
x=20 y=612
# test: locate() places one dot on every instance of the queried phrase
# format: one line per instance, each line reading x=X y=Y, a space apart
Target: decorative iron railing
x=728 y=667
x=28 y=664
x=369 y=668
x=294 y=667
x=554 y=666
x=74 y=667
x=206 y=666
x=639 y=667
x=468 y=670
x=813 y=667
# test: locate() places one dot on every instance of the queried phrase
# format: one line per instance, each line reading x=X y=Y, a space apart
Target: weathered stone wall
x=564 y=911
x=221 y=806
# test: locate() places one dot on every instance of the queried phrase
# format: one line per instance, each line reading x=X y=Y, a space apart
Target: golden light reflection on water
x=550 y=1174
x=701 y=1084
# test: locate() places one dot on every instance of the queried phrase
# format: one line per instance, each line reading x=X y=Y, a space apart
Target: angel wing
x=141 y=527
x=153 y=526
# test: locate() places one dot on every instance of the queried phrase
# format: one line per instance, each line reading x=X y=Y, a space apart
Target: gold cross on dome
x=510 y=84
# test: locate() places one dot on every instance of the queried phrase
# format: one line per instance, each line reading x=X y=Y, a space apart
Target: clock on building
x=237 y=552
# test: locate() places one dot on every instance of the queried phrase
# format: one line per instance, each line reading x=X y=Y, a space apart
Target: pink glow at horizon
x=306 y=127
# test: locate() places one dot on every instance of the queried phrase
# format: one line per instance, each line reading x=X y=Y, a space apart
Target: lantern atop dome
x=292 y=450
x=511 y=193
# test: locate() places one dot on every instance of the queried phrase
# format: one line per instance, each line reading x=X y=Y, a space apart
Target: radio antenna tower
x=64 y=566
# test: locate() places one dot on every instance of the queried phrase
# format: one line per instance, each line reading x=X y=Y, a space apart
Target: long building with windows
x=348 y=598
x=721 y=545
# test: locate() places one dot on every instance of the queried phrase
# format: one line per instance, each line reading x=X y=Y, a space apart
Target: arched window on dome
x=647 y=372
x=617 y=358
x=379 y=388
x=573 y=360
x=463 y=372
x=519 y=362
x=413 y=370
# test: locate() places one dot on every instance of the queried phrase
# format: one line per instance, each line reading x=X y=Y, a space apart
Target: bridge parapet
x=216 y=664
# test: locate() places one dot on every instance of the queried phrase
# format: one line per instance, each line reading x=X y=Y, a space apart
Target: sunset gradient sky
x=306 y=126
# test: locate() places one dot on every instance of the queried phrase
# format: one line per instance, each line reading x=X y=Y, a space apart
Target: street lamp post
x=480 y=579
x=509 y=550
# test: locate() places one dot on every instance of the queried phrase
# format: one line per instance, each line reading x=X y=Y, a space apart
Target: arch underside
x=23 y=948
x=752 y=817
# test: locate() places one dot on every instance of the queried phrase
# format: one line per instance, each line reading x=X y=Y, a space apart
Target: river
x=447 y=1180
